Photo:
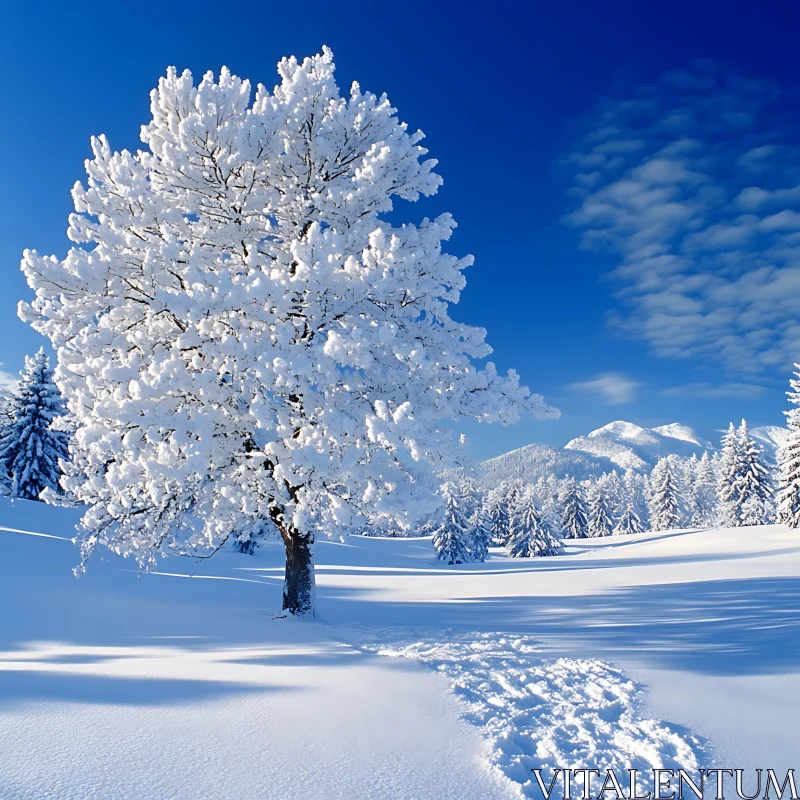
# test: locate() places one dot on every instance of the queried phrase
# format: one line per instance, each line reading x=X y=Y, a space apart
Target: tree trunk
x=298 y=583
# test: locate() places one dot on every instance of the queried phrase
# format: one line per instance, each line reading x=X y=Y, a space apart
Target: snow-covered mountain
x=619 y=445
x=540 y=460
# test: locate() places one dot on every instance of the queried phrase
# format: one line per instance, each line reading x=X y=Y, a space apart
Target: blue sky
x=625 y=173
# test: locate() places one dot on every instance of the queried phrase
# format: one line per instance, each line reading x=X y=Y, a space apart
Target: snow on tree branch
x=241 y=335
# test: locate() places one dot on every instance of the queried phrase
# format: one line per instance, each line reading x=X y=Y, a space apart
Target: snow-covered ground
x=415 y=681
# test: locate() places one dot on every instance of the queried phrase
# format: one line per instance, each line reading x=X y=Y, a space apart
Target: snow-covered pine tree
x=704 y=493
x=452 y=538
x=480 y=536
x=31 y=448
x=633 y=494
x=730 y=480
x=756 y=487
x=612 y=487
x=600 y=523
x=628 y=521
x=665 y=500
x=788 y=495
x=574 y=514
x=531 y=536
x=501 y=500
x=245 y=334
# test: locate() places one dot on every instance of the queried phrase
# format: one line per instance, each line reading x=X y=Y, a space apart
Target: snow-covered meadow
x=416 y=680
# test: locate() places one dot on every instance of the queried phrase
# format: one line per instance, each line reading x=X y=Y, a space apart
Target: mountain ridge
x=619 y=445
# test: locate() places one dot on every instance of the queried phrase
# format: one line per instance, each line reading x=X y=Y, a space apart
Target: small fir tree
x=452 y=537
x=574 y=514
x=788 y=511
x=531 y=536
x=665 y=500
x=730 y=480
x=599 y=513
x=704 y=493
x=755 y=484
x=31 y=448
x=628 y=521
x=480 y=534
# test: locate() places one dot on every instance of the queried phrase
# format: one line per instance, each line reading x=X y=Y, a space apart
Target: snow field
x=182 y=684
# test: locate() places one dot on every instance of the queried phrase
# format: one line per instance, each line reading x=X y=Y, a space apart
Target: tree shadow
x=730 y=627
x=19 y=686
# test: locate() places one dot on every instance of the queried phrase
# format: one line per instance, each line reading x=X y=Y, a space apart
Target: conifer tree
x=31 y=448
x=730 y=479
x=788 y=511
x=480 y=534
x=628 y=521
x=574 y=514
x=756 y=488
x=501 y=501
x=452 y=537
x=600 y=523
x=531 y=535
x=665 y=500
x=704 y=493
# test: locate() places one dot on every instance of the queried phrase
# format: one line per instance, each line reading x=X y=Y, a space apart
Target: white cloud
x=704 y=215
x=613 y=388
x=727 y=389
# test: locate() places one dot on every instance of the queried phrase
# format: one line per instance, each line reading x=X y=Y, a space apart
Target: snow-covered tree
x=574 y=514
x=633 y=494
x=665 y=500
x=788 y=511
x=703 y=492
x=242 y=332
x=500 y=501
x=613 y=490
x=31 y=447
x=480 y=534
x=756 y=487
x=531 y=535
x=628 y=521
x=730 y=479
x=452 y=538
x=600 y=523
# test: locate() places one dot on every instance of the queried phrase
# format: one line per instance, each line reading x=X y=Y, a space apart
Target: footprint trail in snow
x=550 y=714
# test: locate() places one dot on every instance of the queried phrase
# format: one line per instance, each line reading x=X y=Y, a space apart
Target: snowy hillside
x=619 y=445
x=540 y=460
x=416 y=680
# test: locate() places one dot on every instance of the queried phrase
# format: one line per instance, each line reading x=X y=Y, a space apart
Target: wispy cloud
x=612 y=388
x=727 y=389
x=695 y=184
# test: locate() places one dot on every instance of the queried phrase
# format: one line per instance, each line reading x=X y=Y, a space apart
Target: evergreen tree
x=451 y=538
x=730 y=480
x=789 y=460
x=755 y=484
x=704 y=493
x=500 y=501
x=633 y=494
x=574 y=514
x=600 y=523
x=480 y=534
x=665 y=499
x=531 y=536
x=31 y=448
x=612 y=487
x=629 y=521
